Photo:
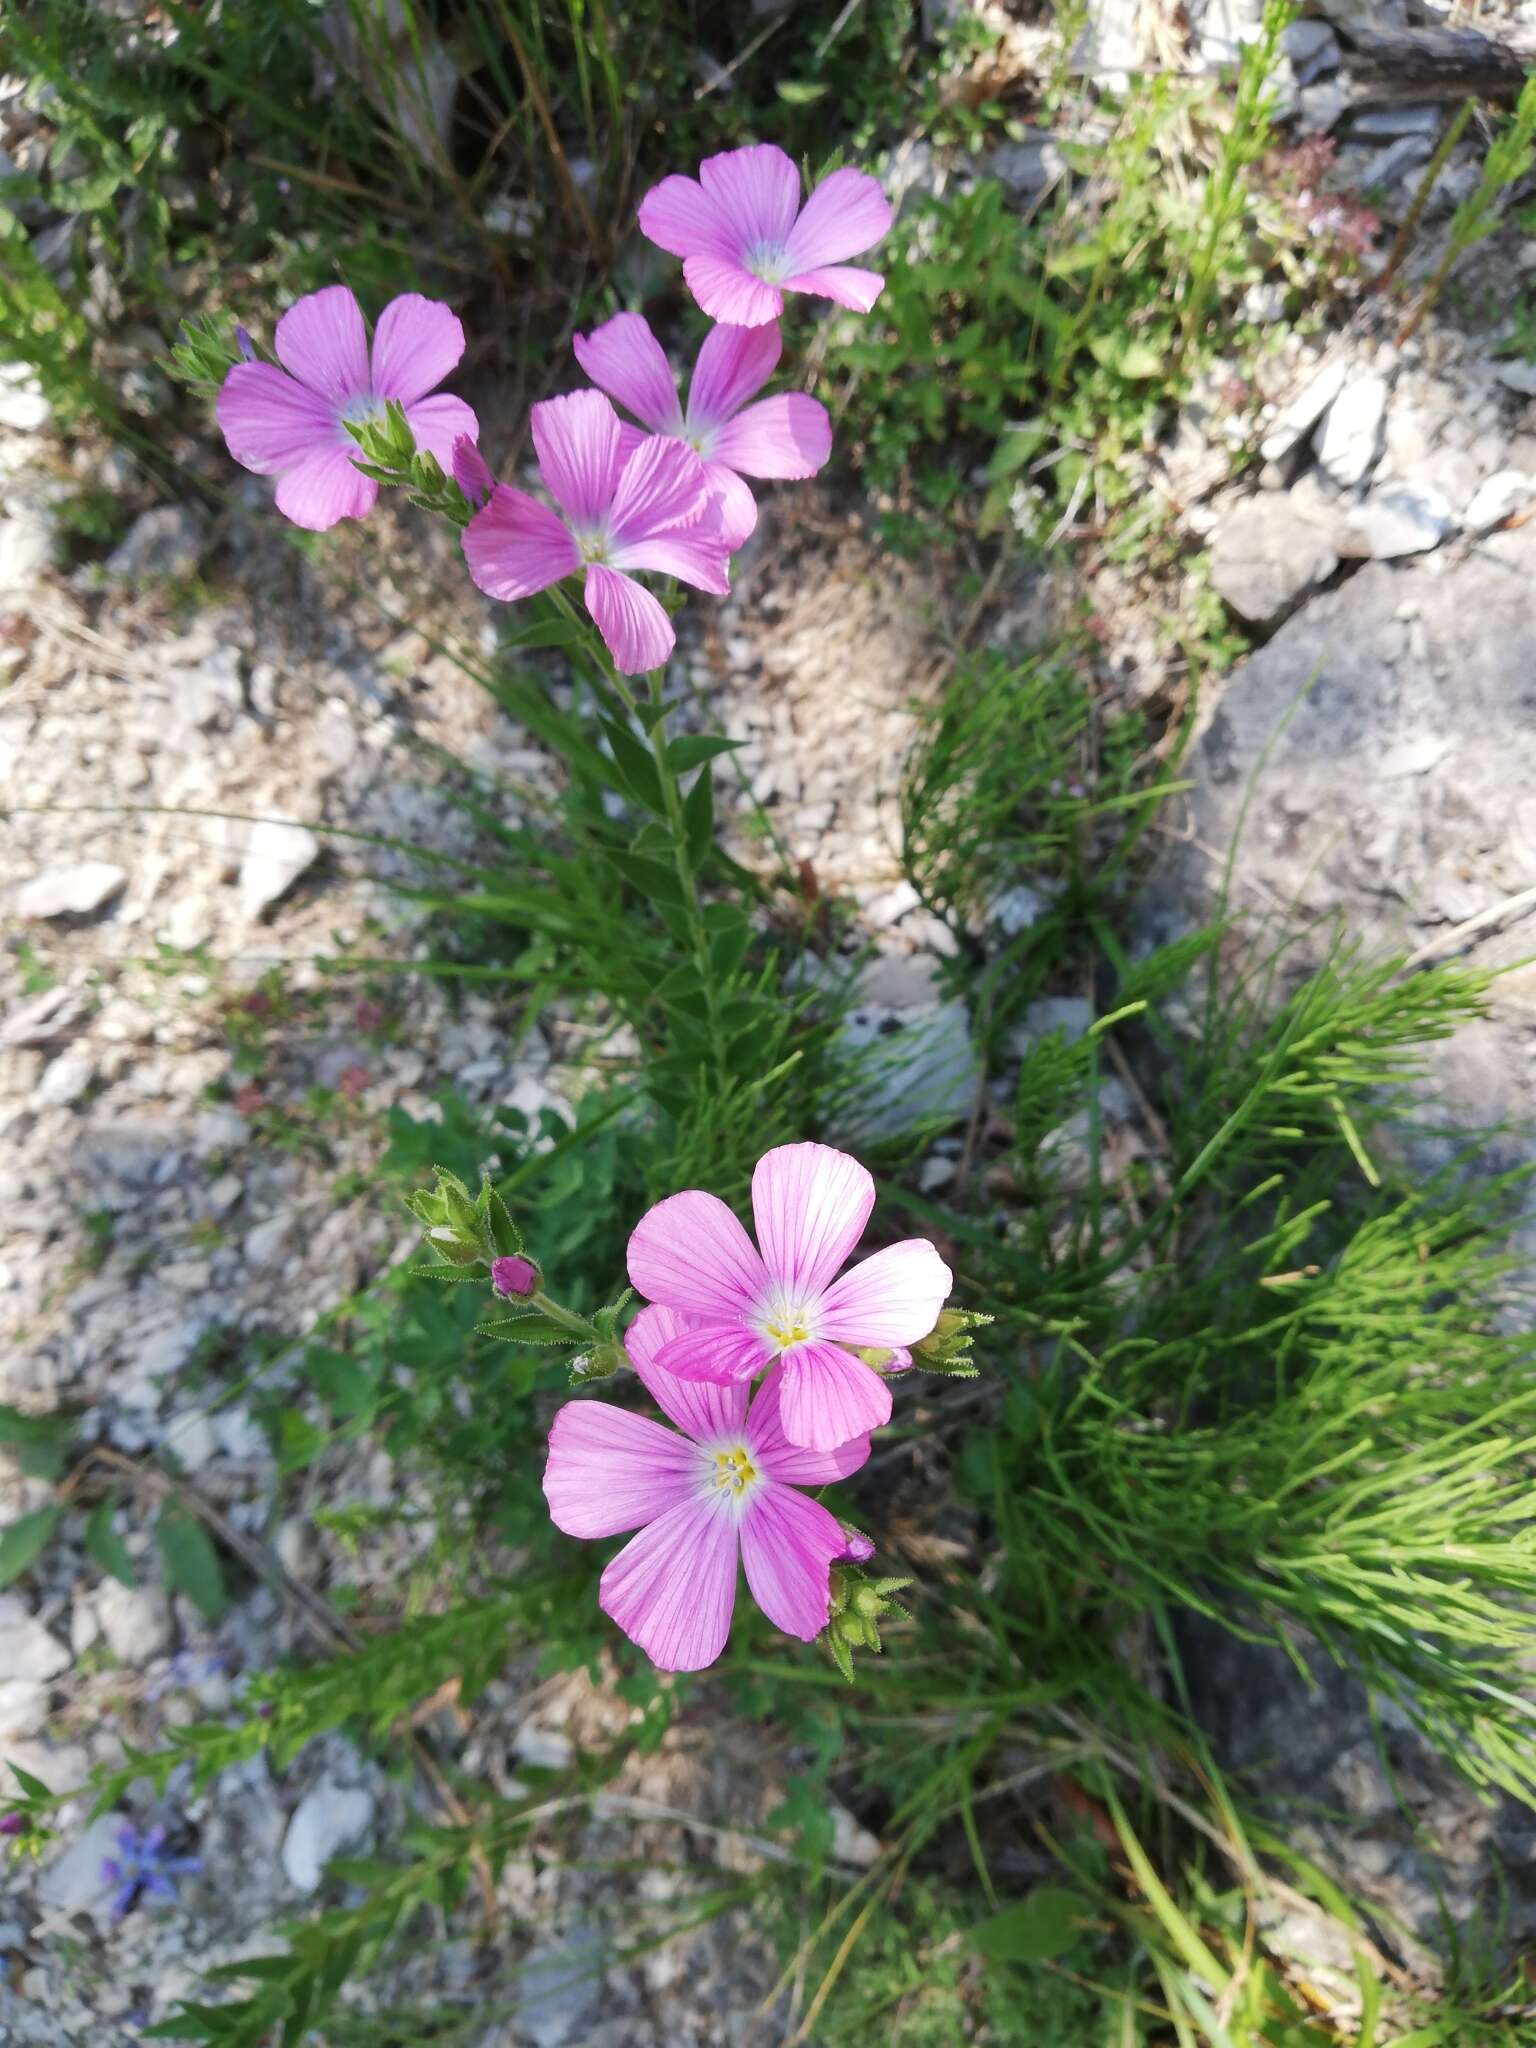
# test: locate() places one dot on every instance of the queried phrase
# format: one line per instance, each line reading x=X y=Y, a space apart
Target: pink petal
x=844 y=284
x=269 y=422
x=471 y=473
x=417 y=343
x=846 y=214
x=515 y=546
x=690 y=1253
x=892 y=1298
x=757 y=190
x=810 y=1205
x=787 y=1545
x=322 y=341
x=626 y=360
x=729 y=293
x=708 y=1413
x=660 y=488
x=734 y=364
x=610 y=1470
x=774 y=1454
x=577 y=438
x=671 y=1588
x=678 y=216
x=437 y=423
x=323 y=488
x=829 y=1398
x=785 y=436
x=718 y=1353
x=634 y=625
x=734 y=503
x=702 y=563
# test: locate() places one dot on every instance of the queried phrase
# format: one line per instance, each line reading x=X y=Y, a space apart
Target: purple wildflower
x=142 y=1868
x=785 y=436
x=12 y=1823
x=745 y=239
x=514 y=1276
x=291 y=422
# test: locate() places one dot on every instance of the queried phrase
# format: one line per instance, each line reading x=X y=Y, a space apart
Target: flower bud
x=857 y=1548
x=12 y=1823
x=856 y=1608
x=245 y=345
x=945 y=1347
x=515 y=1276
x=470 y=472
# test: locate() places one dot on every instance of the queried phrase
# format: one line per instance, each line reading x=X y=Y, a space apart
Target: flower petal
x=788 y=436
x=471 y=472
x=788 y=1544
x=626 y=360
x=734 y=363
x=323 y=488
x=810 y=1204
x=416 y=344
x=577 y=438
x=660 y=488
x=842 y=283
x=892 y=1298
x=829 y=1398
x=269 y=422
x=735 y=505
x=322 y=341
x=610 y=1470
x=678 y=216
x=730 y=294
x=703 y=1411
x=634 y=624
x=690 y=1253
x=437 y=423
x=774 y=1454
x=757 y=190
x=703 y=563
x=718 y=1353
x=515 y=546
x=671 y=1588
x=846 y=214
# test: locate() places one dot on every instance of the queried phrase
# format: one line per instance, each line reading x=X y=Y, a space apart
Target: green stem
x=567 y=1319
x=654 y=726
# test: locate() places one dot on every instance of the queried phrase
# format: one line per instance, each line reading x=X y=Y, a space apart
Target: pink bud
x=514 y=1276
x=11 y=1823
x=470 y=473
x=857 y=1548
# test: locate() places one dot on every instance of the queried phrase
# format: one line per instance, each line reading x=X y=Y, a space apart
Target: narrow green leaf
x=699 y=820
x=636 y=766
x=103 y=1543
x=191 y=1562
x=692 y=750
x=23 y=1539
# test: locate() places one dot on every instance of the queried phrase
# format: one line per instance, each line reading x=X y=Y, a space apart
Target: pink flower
x=786 y=436
x=724 y=1488
x=291 y=426
x=512 y=1275
x=745 y=239
x=470 y=472
x=641 y=506
x=745 y=1308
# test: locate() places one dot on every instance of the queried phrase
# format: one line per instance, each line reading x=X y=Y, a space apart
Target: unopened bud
x=12 y=1823
x=245 y=345
x=515 y=1276
x=856 y=1607
x=857 y=1548
x=470 y=472
x=947 y=1344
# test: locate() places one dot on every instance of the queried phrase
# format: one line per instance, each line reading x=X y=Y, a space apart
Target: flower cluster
x=722 y=1310
x=667 y=496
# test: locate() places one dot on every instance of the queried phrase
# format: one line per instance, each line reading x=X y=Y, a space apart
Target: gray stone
x=23 y=407
x=136 y=1621
x=73 y=1882
x=26 y=547
x=559 y=1988
x=1401 y=520
x=1313 y=49
x=45 y=1020
x=907 y=1055
x=1016 y=910
x=65 y=1080
x=1072 y=1016
x=79 y=890
x=1293 y=427
x=1392 y=165
x=1498 y=498
x=1026 y=170
x=166 y=542
x=277 y=853
x=329 y=1819
x=1384 y=124
x=27 y=1650
x=202 y=696
x=1518 y=376
x=1265 y=557
x=1349 y=440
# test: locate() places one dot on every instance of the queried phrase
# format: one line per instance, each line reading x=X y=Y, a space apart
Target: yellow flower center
x=734 y=1471
x=789 y=1329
